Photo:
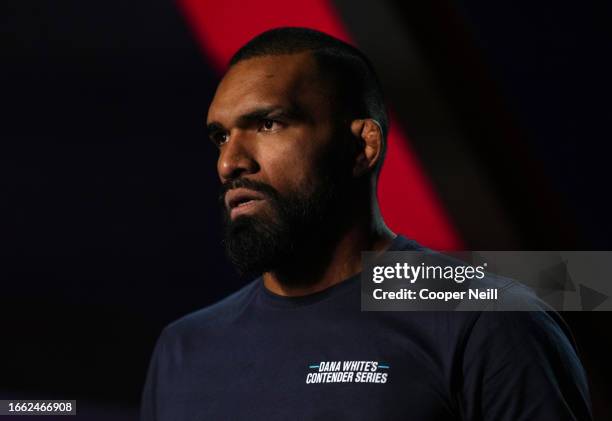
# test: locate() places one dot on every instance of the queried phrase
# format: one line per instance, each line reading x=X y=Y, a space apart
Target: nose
x=236 y=157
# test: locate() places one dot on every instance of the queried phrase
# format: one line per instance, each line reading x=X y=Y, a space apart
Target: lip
x=241 y=201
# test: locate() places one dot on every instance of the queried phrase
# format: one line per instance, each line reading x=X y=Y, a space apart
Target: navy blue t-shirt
x=259 y=356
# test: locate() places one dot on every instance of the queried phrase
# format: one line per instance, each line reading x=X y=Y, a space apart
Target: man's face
x=280 y=156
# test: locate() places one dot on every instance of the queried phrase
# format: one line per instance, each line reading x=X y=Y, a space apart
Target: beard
x=274 y=240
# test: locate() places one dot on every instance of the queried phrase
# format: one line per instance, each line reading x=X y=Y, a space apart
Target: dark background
x=109 y=219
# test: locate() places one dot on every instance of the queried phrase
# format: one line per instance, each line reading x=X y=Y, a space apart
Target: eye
x=268 y=125
x=219 y=138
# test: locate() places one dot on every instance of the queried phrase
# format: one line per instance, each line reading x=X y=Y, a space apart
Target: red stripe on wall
x=408 y=201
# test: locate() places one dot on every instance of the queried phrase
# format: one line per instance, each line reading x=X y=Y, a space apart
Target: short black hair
x=358 y=87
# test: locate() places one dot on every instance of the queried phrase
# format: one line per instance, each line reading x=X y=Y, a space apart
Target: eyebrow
x=292 y=112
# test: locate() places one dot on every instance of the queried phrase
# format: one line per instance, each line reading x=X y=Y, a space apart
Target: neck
x=334 y=259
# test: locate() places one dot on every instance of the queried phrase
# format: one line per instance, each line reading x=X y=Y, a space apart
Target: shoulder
x=518 y=317
x=216 y=316
x=534 y=342
x=510 y=355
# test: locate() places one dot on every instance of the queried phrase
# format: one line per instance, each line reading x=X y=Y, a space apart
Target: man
x=300 y=125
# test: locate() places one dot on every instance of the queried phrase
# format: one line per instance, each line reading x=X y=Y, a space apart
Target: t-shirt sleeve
x=148 y=407
x=522 y=366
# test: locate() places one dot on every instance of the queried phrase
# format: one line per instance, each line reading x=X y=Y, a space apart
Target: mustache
x=246 y=183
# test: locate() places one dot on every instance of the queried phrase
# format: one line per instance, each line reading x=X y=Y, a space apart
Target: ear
x=369 y=135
